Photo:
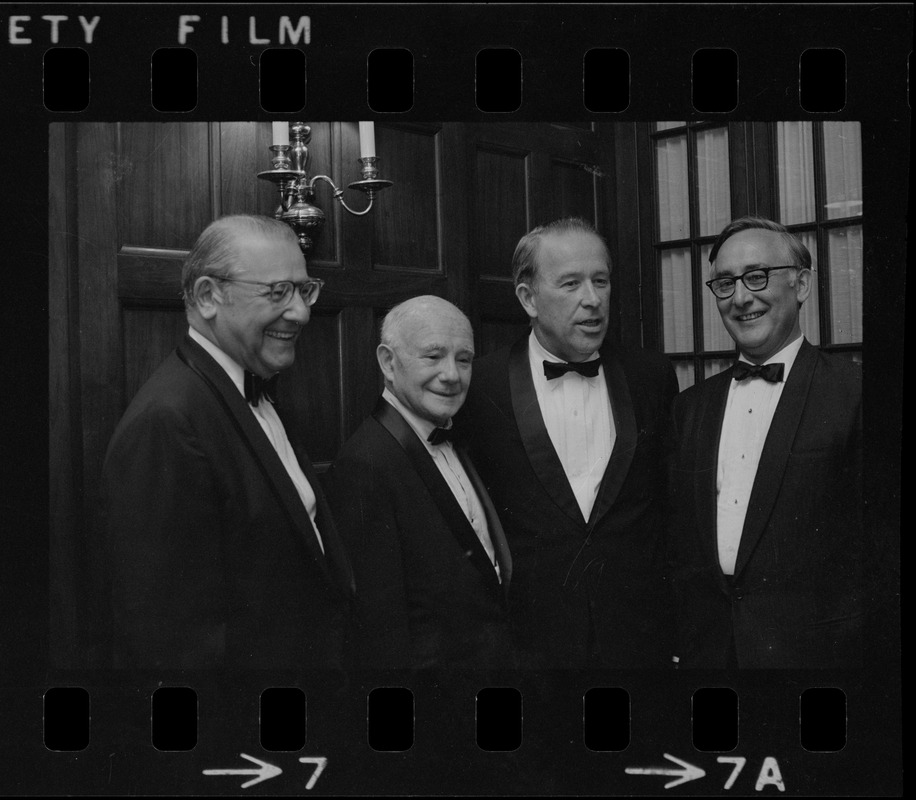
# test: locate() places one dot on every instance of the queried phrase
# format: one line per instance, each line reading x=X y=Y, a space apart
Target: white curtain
x=715 y=337
x=716 y=365
x=843 y=168
x=810 y=311
x=673 y=208
x=677 y=308
x=844 y=247
x=663 y=126
x=684 y=372
x=795 y=162
x=712 y=181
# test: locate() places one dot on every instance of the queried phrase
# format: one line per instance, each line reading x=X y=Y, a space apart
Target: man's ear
x=207 y=296
x=525 y=295
x=385 y=356
x=804 y=284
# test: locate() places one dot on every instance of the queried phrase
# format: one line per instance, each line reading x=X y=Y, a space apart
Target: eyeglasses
x=281 y=292
x=754 y=279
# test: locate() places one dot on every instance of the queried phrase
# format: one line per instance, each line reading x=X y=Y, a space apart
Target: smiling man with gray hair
x=766 y=534
x=429 y=554
x=221 y=549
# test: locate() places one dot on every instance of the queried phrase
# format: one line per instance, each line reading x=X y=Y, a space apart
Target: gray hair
x=797 y=251
x=391 y=325
x=524 y=260
x=215 y=253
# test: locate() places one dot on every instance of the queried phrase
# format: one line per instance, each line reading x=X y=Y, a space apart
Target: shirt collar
x=785 y=356
x=541 y=353
x=537 y=354
x=233 y=369
x=422 y=427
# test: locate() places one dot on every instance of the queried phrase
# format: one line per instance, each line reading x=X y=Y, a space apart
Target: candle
x=280 y=132
x=366 y=139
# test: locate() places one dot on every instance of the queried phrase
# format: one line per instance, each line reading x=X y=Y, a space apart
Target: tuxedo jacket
x=212 y=557
x=428 y=593
x=585 y=593
x=795 y=600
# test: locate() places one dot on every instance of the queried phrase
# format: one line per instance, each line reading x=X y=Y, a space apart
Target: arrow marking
x=686 y=772
x=320 y=763
x=264 y=771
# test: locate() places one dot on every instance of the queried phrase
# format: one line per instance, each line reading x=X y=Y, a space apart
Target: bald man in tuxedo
x=430 y=558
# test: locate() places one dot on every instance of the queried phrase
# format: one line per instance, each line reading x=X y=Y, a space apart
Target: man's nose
x=742 y=295
x=448 y=370
x=590 y=295
x=297 y=310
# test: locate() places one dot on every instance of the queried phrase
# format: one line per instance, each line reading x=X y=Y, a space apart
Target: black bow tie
x=441 y=435
x=588 y=369
x=257 y=387
x=769 y=372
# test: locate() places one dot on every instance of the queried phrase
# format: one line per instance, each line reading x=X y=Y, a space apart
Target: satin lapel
x=334 y=551
x=708 y=429
x=251 y=433
x=625 y=444
x=442 y=495
x=494 y=526
x=776 y=451
x=541 y=454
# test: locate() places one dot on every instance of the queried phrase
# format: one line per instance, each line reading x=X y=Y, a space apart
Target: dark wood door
x=523 y=176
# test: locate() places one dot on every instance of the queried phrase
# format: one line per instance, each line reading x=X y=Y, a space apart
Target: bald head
x=426 y=351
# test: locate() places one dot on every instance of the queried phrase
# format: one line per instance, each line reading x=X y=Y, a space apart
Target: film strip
x=78 y=729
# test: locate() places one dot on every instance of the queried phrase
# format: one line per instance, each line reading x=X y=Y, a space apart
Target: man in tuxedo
x=220 y=545
x=429 y=554
x=766 y=531
x=568 y=431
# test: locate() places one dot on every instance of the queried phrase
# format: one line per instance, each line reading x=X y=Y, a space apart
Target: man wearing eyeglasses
x=222 y=551
x=765 y=536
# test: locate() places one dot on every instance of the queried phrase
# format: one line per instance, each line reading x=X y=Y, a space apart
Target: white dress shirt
x=749 y=410
x=577 y=413
x=449 y=465
x=270 y=423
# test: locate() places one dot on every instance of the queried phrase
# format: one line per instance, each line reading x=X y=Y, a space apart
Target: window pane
x=712 y=181
x=673 y=209
x=677 y=305
x=810 y=311
x=716 y=365
x=845 y=257
x=715 y=337
x=843 y=168
x=795 y=163
x=685 y=374
x=663 y=126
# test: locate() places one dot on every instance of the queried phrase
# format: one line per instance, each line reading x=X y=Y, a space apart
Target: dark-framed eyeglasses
x=281 y=292
x=755 y=280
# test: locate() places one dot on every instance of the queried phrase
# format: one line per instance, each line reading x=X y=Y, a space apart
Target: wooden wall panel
x=162 y=176
x=407 y=230
x=500 y=213
x=491 y=336
x=573 y=190
x=311 y=389
x=149 y=335
x=64 y=449
x=151 y=276
x=100 y=348
x=241 y=149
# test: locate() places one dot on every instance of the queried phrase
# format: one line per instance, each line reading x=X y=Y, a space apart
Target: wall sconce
x=290 y=172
